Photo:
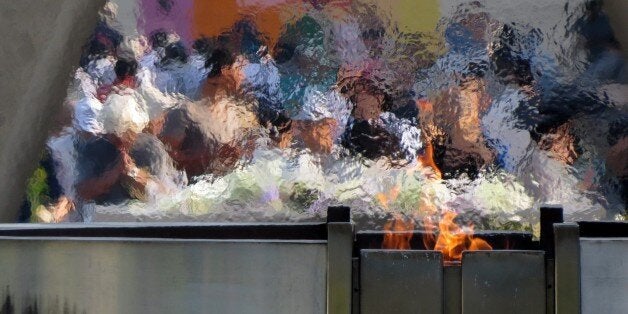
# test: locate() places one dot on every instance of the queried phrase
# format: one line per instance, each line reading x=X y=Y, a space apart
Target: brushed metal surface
x=339 y=267
x=510 y=282
x=401 y=281
x=117 y=275
x=452 y=290
x=567 y=269
x=604 y=275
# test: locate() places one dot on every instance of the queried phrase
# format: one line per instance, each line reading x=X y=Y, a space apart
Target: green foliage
x=302 y=196
x=37 y=189
x=495 y=222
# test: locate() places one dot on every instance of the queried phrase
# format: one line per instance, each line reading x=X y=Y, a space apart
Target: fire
x=385 y=199
x=398 y=233
x=452 y=239
x=427 y=160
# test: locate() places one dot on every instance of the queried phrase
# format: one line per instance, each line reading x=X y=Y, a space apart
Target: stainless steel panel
x=503 y=282
x=452 y=290
x=550 y=296
x=567 y=268
x=163 y=276
x=401 y=281
x=339 y=267
x=604 y=271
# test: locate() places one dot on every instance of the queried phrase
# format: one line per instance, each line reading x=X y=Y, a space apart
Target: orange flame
x=385 y=199
x=427 y=160
x=452 y=239
x=398 y=233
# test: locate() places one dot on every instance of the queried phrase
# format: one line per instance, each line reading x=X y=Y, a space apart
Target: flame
x=452 y=239
x=385 y=199
x=427 y=160
x=398 y=233
x=426 y=108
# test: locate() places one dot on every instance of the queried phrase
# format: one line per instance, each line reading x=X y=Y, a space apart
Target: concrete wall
x=41 y=42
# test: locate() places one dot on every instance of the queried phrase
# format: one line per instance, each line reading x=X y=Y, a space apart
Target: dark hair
x=103 y=42
x=175 y=52
x=217 y=60
x=202 y=46
x=283 y=52
x=159 y=38
x=125 y=68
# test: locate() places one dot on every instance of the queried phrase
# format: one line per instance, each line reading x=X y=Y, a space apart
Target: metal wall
x=163 y=276
x=604 y=275
x=394 y=281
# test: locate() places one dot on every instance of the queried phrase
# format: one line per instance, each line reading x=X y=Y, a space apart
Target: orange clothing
x=213 y=17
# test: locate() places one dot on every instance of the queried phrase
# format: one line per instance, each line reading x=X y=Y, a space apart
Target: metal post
x=339 y=260
x=550 y=215
x=567 y=268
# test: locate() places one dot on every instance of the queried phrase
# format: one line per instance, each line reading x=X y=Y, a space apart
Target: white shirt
x=102 y=70
x=124 y=111
x=87 y=115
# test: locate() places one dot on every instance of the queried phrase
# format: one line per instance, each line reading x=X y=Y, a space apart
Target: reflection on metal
x=604 y=275
x=503 y=282
x=401 y=281
x=165 y=276
x=567 y=268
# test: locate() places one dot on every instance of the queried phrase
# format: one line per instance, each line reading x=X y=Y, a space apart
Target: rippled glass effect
x=272 y=110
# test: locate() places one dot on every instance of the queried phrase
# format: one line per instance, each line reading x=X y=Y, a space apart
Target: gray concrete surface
x=41 y=42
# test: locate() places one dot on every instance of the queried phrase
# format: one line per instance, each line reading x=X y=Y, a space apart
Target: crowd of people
x=152 y=113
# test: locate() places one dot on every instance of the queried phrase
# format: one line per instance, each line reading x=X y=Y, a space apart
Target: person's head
x=175 y=52
x=103 y=42
x=202 y=46
x=218 y=59
x=125 y=69
x=159 y=39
